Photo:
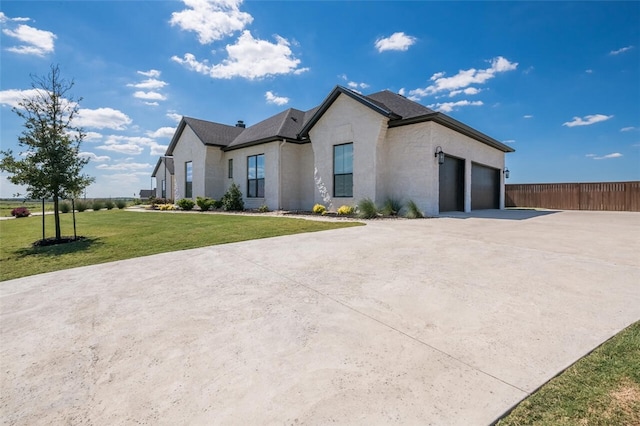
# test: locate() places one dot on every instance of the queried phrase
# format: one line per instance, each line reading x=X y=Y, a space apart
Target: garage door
x=452 y=185
x=485 y=187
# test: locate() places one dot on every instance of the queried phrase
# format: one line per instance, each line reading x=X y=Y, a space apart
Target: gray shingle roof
x=213 y=133
x=284 y=125
x=169 y=164
x=400 y=105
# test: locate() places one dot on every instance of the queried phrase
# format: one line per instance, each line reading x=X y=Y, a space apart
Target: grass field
x=116 y=235
x=602 y=388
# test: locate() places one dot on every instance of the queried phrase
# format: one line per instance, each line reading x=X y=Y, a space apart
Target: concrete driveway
x=438 y=321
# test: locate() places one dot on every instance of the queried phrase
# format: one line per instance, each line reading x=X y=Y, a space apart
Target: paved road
x=438 y=321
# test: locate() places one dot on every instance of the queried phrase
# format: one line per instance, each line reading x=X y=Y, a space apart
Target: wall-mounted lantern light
x=506 y=173
x=440 y=155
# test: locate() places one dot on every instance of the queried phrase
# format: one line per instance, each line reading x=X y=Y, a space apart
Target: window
x=255 y=176
x=230 y=168
x=188 y=179
x=343 y=170
x=164 y=188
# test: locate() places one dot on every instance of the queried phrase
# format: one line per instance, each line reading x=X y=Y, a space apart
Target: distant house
x=165 y=178
x=147 y=193
x=348 y=148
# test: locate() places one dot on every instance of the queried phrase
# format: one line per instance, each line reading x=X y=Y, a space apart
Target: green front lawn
x=116 y=235
x=602 y=389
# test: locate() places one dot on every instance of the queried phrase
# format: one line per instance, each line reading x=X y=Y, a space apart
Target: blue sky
x=557 y=81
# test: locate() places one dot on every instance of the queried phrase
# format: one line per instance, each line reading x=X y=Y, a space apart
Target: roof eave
x=176 y=137
x=453 y=124
x=261 y=141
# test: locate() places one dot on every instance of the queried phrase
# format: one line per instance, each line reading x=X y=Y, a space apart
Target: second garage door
x=485 y=187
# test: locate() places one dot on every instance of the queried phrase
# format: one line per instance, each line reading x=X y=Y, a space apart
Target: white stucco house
x=350 y=147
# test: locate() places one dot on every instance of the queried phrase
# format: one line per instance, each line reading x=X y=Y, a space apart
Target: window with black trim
x=255 y=176
x=164 y=188
x=343 y=170
x=230 y=176
x=188 y=179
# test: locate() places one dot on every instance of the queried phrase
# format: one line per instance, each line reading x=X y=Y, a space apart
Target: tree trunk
x=56 y=215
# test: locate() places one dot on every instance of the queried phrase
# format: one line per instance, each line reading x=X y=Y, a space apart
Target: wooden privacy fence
x=614 y=196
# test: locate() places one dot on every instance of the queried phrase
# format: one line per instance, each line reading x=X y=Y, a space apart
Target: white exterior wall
x=348 y=121
x=296 y=177
x=413 y=170
x=216 y=172
x=189 y=148
x=160 y=175
x=271 y=160
x=410 y=167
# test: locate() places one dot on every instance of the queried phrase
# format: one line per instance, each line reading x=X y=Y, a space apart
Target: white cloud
x=93 y=157
x=151 y=96
x=467 y=91
x=621 y=50
x=589 y=71
x=132 y=145
x=354 y=85
x=604 y=157
x=12 y=97
x=627 y=129
x=174 y=116
x=150 y=73
x=248 y=58
x=450 y=106
x=212 y=20
x=162 y=132
x=464 y=78
x=92 y=136
x=401 y=92
x=126 y=166
x=36 y=42
x=152 y=103
x=102 y=118
x=4 y=18
x=149 y=84
x=527 y=116
x=274 y=99
x=510 y=141
x=587 y=120
x=396 y=41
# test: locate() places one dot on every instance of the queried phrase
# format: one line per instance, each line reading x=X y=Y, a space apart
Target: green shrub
x=413 y=211
x=97 y=205
x=186 y=204
x=367 y=209
x=65 y=207
x=263 y=208
x=319 y=209
x=391 y=207
x=109 y=204
x=232 y=199
x=204 y=203
x=81 y=205
x=217 y=204
x=121 y=204
x=346 y=210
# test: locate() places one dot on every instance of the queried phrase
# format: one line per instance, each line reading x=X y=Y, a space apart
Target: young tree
x=49 y=165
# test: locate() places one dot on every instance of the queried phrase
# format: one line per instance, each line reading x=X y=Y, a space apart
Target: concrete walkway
x=437 y=321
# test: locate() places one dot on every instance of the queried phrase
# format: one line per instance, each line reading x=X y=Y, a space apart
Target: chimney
x=240 y=123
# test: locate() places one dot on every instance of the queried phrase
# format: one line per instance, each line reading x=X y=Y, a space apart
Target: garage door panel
x=451 y=189
x=485 y=187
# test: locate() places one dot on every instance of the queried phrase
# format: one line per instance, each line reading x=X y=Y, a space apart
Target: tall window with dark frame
x=343 y=170
x=188 y=179
x=164 y=188
x=230 y=175
x=255 y=176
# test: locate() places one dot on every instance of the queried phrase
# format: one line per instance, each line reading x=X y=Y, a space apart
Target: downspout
x=164 y=160
x=280 y=173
